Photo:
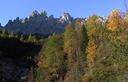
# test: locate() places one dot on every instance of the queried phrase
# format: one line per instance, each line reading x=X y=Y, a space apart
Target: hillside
x=76 y=50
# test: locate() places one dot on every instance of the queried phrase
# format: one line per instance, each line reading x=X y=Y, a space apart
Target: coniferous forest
x=93 y=50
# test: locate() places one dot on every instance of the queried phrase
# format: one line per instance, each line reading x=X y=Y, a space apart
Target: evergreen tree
x=49 y=70
x=77 y=57
x=82 y=45
x=11 y=34
x=70 y=44
x=4 y=33
x=31 y=38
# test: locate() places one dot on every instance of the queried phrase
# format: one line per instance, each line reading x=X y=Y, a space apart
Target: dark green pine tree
x=83 y=42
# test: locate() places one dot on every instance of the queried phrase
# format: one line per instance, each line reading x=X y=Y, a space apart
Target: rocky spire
x=66 y=17
x=35 y=13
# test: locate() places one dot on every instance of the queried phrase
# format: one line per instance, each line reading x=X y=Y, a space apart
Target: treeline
x=94 y=51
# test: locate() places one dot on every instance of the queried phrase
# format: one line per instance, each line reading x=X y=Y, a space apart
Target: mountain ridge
x=39 y=23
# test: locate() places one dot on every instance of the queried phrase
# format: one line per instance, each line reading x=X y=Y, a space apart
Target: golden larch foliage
x=91 y=50
x=114 y=20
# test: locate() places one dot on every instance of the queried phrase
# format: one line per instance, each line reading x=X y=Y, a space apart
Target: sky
x=10 y=9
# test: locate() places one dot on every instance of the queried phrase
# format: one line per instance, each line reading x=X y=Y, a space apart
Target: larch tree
x=91 y=22
x=70 y=44
x=114 y=20
x=72 y=49
x=91 y=25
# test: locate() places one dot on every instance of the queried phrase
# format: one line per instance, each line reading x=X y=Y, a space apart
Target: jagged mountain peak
x=66 y=17
x=40 y=23
x=35 y=12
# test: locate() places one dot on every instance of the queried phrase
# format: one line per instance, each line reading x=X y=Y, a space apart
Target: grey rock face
x=38 y=23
